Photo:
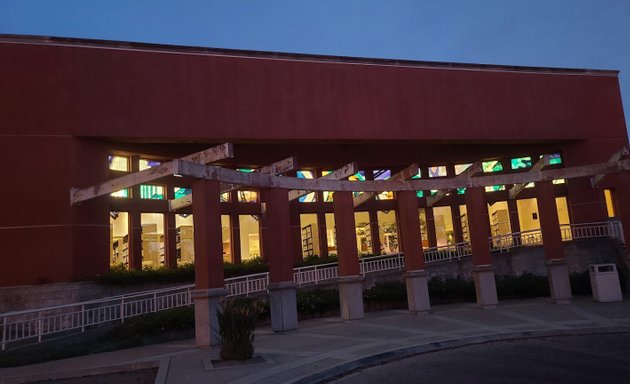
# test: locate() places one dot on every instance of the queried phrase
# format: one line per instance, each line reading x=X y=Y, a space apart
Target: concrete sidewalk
x=325 y=348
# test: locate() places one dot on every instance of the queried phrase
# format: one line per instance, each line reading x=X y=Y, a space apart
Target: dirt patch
x=141 y=376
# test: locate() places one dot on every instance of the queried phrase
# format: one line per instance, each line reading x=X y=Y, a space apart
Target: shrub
x=237 y=322
x=386 y=292
x=247 y=267
x=317 y=301
x=525 y=285
x=119 y=275
x=451 y=289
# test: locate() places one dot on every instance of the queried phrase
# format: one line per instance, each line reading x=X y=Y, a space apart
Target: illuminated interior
x=152 y=239
x=250 y=236
x=388 y=232
x=364 y=233
x=119 y=238
x=443 y=221
x=184 y=239
x=309 y=234
x=331 y=236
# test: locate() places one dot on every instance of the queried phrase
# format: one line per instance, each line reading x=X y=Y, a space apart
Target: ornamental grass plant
x=237 y=322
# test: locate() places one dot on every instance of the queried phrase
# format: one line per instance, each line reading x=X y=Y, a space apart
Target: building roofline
x=195 y=50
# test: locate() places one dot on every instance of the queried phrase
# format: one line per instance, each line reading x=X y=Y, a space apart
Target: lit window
x=225 y=197
x=492 y=166
x=459 y=168
x=418 y=176
x=383 y=174
x=309 y=197
x=122 y=193
x=521 y=162
x=555 y=158
x=146 y=164
x=247 y=196
x=439 y=171
x=181 y=192
x=461 y=191
x=119 y=163
x=559 y=181
x=359 y=176
x=328 y=195
x=495 y=188
x=154 y=192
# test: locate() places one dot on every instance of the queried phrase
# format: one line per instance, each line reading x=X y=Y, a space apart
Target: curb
x=402 y=353
x=134 y=366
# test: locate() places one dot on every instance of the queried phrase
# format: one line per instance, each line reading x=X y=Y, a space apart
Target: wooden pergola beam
x=404 y=174
x=620 y=154
x=210 y=155
x=258 y=180
x=338 y=174
x=475 y=169
x=540 y=165
x=277 y=168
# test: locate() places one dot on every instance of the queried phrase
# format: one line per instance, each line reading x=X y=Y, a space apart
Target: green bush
x=119 y=275
x=386 y=292
x=317 y=301
x=247 y=267
x=316 y=260
x=451 y=289
x=525 y=285
x=237 y=322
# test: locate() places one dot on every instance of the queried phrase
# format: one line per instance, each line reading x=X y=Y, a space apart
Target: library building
x=130 y=156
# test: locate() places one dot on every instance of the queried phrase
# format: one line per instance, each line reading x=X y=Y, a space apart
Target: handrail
x=39 y=322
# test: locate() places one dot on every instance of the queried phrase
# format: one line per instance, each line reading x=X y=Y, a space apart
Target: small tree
x=237 y=322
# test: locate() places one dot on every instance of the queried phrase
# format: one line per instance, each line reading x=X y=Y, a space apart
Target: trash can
x=605 y=283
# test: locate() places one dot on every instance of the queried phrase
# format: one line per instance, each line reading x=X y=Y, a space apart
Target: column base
x=485 y=286
x=207 y=303
x=283 y=306
x=417 y=291
x=559 y=283
x=351 y=297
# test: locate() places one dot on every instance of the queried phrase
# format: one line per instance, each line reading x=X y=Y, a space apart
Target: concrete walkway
x=325 y=348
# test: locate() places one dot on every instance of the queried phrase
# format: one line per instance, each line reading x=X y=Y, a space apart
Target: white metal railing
x=37 y=323
x=381 y=263
x=447 y=252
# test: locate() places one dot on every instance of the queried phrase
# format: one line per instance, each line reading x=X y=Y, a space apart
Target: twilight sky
x=556 y=33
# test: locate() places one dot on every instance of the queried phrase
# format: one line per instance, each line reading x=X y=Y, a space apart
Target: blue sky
x=556 y=33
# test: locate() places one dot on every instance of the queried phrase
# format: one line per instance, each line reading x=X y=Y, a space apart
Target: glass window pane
x=146 y=164
x=309 y=197
x=459 y=168
x=437 y=171
x=492 y=166
x=119 y=163
x=521 y=162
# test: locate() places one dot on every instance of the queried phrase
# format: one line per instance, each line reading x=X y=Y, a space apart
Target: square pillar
x=479 y=226
x=276 y=244
x=557 y=269
x=350 y=287
x=209 y=280
x=417 y=291
x=411 y=242
x=283 y=306
x=351 y=297
x=207 y=303
x=559 y=283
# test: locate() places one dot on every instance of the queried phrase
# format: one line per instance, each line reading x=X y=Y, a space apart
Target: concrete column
x=350 y=287
x=209 y=281
x=479 y=227
x=276 y=241
x=411 y=242
x=135 y=241
x=557 y=269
